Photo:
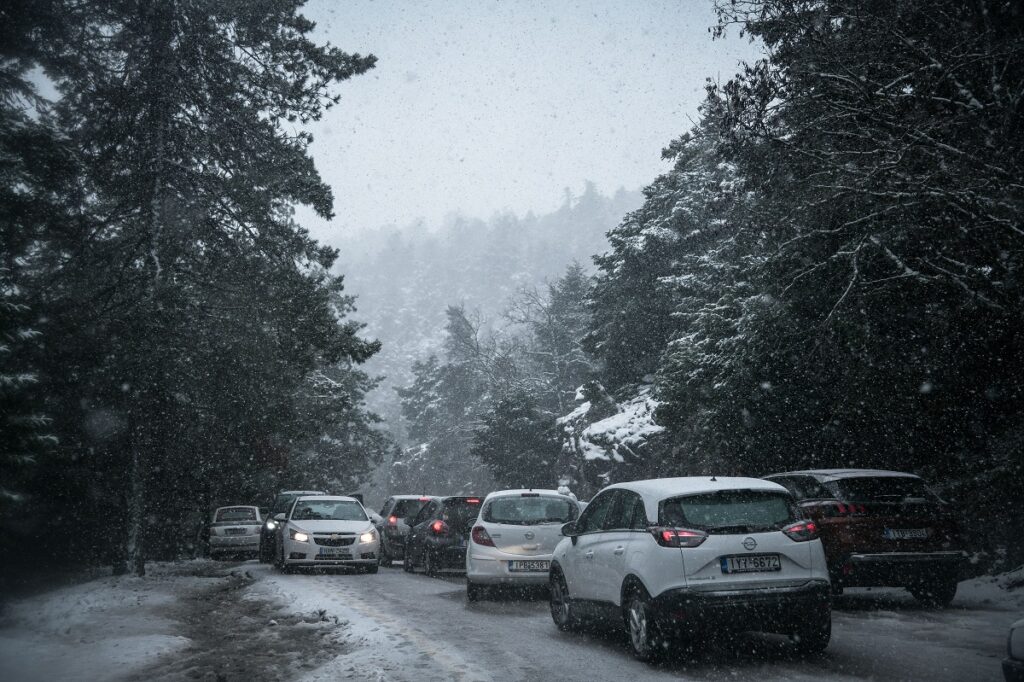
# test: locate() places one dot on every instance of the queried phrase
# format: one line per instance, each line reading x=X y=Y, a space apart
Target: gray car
x=234 y=531
x=396 y=513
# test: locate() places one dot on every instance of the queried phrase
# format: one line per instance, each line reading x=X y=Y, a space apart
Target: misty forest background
x=830 y=274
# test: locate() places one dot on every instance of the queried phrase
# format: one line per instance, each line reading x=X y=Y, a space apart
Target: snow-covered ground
x=186 y=621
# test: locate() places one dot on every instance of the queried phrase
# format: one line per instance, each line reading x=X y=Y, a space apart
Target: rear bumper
x=900 y=568
x=491 y=567
x=235 y=543
x=1013 y=670
x=449 y=556
x=393 y=545
x=781 y=609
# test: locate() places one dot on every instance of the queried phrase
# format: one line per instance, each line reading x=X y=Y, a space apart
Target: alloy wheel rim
x=558 y=604
x=638 y=625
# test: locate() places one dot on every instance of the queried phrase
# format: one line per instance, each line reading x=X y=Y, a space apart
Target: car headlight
x=298 y=536
x=1016 y=643
x=368 y=536
x=271 y=525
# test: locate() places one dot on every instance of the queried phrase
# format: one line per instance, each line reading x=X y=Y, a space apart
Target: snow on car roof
x=836 y=474
x=301 y=492
x=328 y=498
x=520 y=491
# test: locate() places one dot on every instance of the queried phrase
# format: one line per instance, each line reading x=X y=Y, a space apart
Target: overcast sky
x=481 y=106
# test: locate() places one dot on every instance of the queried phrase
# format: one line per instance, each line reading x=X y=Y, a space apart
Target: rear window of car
x=725 y=511
x=528 y=511
x=460 y=514
x=328 y=510
x=236 y=514
x=881 y=489
x=405 y=508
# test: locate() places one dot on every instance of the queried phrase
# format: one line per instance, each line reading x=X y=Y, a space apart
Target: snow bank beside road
x=108 y=628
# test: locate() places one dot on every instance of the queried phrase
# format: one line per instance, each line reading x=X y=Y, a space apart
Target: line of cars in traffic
x=671 y=559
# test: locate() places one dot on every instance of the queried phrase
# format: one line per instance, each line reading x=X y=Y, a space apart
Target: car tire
x=429 y=563
x=937 y=593
x=475 y=592
x=563 y=611
x=641 y=625
x=385 y=559
x=266 y=553
x=813 y=639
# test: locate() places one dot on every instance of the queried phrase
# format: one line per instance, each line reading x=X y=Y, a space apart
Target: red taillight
x=678 y=537
x=424 y=499
x=801 y=531
x=843 y=509
x=392 y=520
x=473 y=500
x=439 y=527
x=481 y=537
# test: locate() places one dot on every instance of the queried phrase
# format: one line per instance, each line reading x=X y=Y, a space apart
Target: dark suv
x=268 y=531
x=439 y=534
x=397 y=512
x=881 y=528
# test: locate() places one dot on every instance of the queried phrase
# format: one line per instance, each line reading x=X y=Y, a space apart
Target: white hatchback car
x=513 y=538
x=326 y=530
x=235 y=530
x=682 y=557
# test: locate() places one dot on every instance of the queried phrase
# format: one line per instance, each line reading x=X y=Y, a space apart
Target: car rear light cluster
x=843 y=509
x=678 y=537
x=392 y=520
x=801 y=531
x=439 y=527
x=473 y=500
x=482 y=537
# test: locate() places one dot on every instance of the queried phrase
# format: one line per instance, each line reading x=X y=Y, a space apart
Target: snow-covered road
x=412 y=627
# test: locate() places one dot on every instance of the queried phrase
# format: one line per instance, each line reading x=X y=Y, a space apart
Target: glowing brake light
x=482 y=537
x=678 y=537
x=439 y=527
x=801 y=531
x=392 y=520
x=424 y=499
x=473 y=500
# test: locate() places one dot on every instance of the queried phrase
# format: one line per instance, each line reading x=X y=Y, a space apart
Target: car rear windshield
x=328 y=510
x=528 y=511
x=236 y=514
x=881 y=489
x=729 y=511
x=460 y=514
x=406 y=508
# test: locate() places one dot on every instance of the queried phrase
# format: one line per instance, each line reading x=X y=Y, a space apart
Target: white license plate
x=528 y=566
x=906 y=533
x=756 y=563
x=334 y=551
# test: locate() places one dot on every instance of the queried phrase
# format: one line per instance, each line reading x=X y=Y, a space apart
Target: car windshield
x=236 y=514
x=741 y=511
x=406 y=508
x=328 y=510
x=881 y=489
x=527 y=511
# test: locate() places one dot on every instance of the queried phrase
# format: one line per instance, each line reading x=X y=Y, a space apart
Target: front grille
x=328 y=541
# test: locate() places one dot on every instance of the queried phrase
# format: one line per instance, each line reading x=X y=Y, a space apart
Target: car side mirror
x=569 y=529
x=280 y=517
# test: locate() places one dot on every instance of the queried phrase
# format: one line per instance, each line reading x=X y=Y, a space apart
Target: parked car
x=268 y=534
x=1013 y=664
x=675 y=557
x=439 y=534
x=397 y=512
x=514 y=537
x=326 y=530
x=234 y=531
x=881 y=528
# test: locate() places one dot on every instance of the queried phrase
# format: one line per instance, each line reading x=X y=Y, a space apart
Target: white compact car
x=676 y=558
x=325 y=530
x=235 y=530
x=513 y=538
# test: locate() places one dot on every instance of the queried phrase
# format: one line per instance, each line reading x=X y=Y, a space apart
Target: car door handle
x=590 y=554
x=618 y=550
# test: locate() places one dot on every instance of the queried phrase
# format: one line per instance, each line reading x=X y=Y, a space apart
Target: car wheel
x=475 y=592
x=938 y=593
x=641 y=625
x=813 y=639
x=266 y=553
x=563 y=612
x=385 y=558
x=407 y=562
x=429 y=563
